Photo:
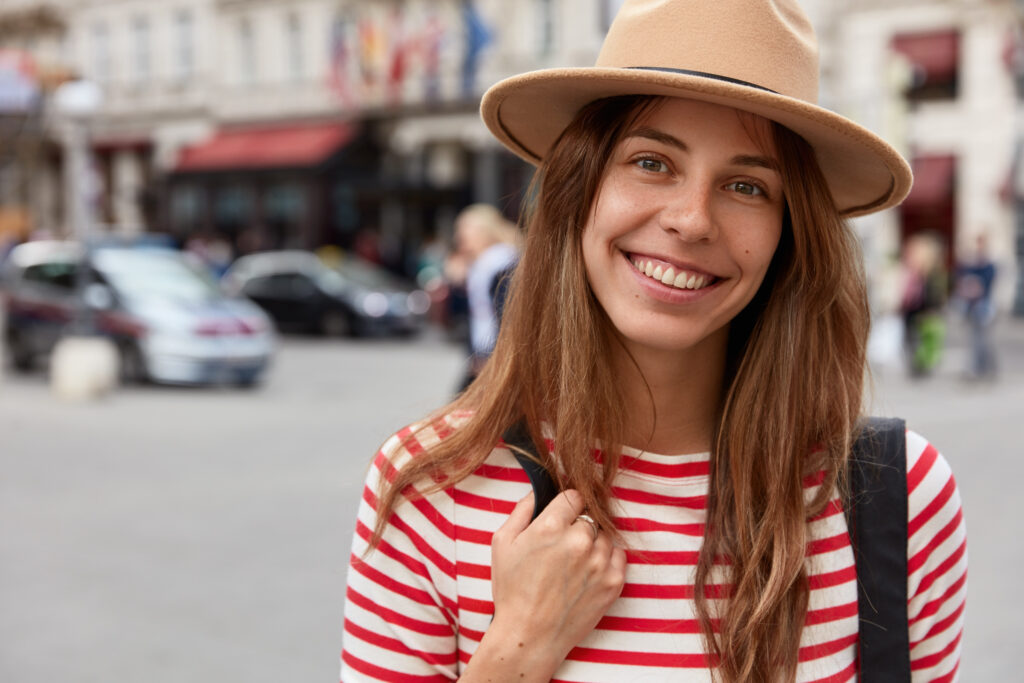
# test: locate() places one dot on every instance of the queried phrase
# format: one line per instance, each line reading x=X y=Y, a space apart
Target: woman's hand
x=552 y=581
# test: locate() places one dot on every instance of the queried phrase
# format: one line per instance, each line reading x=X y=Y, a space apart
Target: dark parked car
x=302 y=293
x=169 y=319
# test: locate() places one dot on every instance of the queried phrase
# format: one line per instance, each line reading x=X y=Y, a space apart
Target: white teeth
x=669 y=276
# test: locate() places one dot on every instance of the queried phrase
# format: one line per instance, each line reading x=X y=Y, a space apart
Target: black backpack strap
x=544 y=487
x=877 y=518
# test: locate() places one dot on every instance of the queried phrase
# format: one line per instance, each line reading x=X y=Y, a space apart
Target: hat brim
x=528 y=112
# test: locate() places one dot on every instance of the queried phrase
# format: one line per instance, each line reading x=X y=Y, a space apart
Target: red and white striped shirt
x=417 y=607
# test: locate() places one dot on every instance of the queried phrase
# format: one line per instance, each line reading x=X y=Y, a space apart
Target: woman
x=487 y=249
x=685 y=343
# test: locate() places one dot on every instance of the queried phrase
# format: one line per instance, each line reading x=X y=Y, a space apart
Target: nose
x=688 y=212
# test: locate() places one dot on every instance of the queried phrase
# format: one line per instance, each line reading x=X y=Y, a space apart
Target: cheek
x=759 y=247
x=591 y=251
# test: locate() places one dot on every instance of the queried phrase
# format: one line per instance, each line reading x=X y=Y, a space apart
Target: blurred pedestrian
x=925 y=286
x=486 y=251
x=684 y=346
x=974 y=279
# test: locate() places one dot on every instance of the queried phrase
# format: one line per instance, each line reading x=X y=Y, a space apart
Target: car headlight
x=375 y=304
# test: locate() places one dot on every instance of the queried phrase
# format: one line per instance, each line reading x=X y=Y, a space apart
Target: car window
x=58 y=274
x=280 y=286
x=368 y=276
x=301 y=286
x=146 y=273
x=262 y=285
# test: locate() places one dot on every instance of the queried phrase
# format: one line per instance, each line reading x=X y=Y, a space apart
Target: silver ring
x=589 y=520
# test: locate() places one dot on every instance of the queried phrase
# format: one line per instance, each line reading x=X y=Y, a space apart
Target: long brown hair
x=794 y=377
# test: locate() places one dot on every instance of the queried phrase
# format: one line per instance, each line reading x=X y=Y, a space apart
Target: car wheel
x=133 y=365
x=335 y=324
x=22 y=358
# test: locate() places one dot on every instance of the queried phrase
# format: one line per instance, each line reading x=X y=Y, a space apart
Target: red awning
x=933 y=181
x=266 y=147
x=936 y=54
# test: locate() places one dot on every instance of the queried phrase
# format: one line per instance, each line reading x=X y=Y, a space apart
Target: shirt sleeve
x=936 y=564
x=400 y=602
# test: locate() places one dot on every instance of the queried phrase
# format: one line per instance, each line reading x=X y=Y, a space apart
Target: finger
x=566 y=506
x=517 y=521
x=618 y=560
x=603 y=544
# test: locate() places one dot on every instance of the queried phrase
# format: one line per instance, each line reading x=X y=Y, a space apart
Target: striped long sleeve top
x=417 y=607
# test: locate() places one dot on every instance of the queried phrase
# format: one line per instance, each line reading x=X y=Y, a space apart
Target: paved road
x=201 y=535
x=194 y=535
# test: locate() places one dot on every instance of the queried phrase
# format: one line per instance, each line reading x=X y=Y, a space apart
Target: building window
x=141 y=40
x=545 y=27
x=293 y=39
x=934 y=59
x=184 y=44
x=186 y=208
x=246 y=52
x=930 y=208
x=101 y=51
x=232 y=207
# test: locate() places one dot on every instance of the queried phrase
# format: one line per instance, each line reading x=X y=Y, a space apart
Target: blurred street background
x=230 y=267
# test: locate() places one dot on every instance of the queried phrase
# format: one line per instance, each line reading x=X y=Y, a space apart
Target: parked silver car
x=169 y=319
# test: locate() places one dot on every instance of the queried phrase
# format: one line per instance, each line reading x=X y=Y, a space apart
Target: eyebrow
x=672 y=141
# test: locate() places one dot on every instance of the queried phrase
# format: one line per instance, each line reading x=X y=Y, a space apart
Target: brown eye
x=748 y=189
x=652 y=165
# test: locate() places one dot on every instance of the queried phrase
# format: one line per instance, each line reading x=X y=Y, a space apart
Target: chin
x=668 y=342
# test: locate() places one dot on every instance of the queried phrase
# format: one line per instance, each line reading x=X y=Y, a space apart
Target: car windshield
x=367 y=275
x=152 y=273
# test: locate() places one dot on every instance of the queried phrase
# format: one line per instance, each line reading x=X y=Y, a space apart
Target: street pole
x=1016 y=193
x=84 y=364
x=76 y=170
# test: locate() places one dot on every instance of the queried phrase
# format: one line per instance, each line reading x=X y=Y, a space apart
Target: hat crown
x=767 y=43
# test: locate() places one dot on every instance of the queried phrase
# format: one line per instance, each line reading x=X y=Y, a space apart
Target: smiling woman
x=684 y=345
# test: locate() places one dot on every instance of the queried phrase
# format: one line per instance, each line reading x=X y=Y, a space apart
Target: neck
x=672 y=397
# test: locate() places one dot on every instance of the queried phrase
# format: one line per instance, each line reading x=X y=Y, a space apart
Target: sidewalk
x=1007 y=334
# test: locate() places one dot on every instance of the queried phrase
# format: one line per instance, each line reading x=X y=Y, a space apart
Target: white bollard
x=83 y=368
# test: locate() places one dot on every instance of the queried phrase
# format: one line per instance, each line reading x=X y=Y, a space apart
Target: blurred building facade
x=937 y=77
x=292 y=122
x=309 y=122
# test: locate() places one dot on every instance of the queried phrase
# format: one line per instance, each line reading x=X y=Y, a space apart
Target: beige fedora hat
x=759 y=56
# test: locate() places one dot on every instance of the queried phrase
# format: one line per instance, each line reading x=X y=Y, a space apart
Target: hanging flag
x=370 y=52
x=19 y=81
x=399 y=47
x=340 y=81
x=429 y=49
x=478 y=37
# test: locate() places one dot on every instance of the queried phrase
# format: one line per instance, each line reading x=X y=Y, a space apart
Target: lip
x=667 y=293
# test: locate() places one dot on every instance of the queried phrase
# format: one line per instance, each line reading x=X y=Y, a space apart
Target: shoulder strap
x=877 y=518
x=544 y=487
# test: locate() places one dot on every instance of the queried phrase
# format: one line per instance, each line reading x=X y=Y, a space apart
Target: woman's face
x=684 y=226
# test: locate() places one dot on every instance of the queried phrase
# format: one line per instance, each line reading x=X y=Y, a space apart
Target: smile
x=667 y=275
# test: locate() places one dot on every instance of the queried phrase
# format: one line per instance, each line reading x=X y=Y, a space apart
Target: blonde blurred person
x=486 y=251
